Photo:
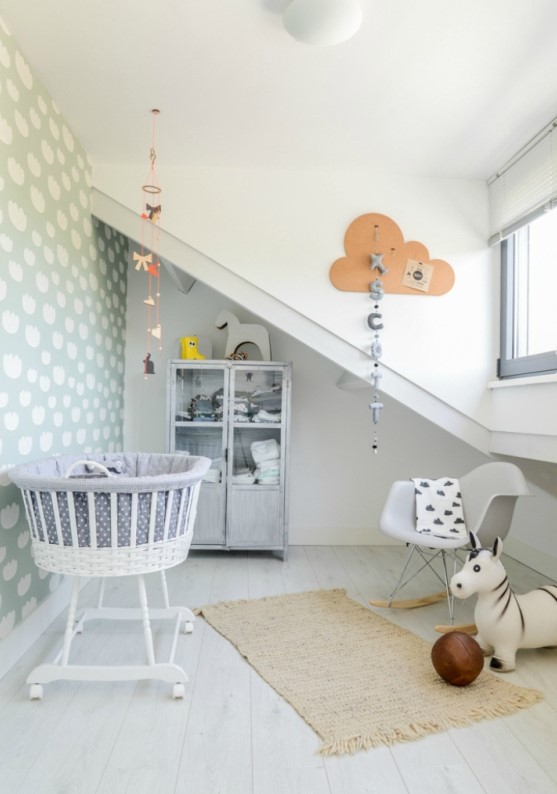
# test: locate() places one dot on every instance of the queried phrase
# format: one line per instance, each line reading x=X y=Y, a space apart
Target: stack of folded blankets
x=218 y=404
x=265 y=417
x=201 y=409
x=262 y=406
x=244 y=408
x=243 y=476
x=266 y=455
x=268 y=404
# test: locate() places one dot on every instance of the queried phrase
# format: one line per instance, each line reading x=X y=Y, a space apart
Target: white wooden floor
x=232 y=734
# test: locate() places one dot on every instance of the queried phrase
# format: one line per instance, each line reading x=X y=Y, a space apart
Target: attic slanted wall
x=272 y=310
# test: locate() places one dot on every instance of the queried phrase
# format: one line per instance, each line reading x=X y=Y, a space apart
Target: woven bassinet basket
x=111 y=514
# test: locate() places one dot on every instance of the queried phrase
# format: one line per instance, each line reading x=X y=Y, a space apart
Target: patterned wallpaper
x=63 y=282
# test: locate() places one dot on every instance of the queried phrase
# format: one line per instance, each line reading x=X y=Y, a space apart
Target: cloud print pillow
x=439 y=508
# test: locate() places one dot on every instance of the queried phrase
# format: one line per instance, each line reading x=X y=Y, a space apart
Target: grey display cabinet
x=237 y=414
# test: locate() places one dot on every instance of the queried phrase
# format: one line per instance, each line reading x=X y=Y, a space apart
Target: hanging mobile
x=148 y=257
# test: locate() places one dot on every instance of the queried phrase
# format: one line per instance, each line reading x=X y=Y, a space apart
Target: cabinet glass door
x=256 y=467
x=256 y=403
x=200 y=429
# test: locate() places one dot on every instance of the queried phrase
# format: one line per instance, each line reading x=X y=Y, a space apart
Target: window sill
x=529 y=380
x=523 y=417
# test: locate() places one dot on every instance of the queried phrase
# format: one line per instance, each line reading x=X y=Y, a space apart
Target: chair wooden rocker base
x=414 y=603
x=465 y=628
x=410 y=603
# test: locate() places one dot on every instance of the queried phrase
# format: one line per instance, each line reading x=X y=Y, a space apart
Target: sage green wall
x=63 y=283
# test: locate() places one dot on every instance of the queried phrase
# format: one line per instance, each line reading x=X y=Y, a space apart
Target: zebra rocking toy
x=505 y=621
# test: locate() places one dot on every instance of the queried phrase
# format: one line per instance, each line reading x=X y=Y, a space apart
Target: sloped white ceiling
x=429 y=87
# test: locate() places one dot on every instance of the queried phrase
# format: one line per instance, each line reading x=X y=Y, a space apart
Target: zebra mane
x=475 y=552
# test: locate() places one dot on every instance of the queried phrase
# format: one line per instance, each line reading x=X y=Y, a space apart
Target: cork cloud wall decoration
x=407 y=266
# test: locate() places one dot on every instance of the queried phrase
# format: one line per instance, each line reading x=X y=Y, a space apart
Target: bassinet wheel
x=188 y=627
x=178 y=691
x=35 y=692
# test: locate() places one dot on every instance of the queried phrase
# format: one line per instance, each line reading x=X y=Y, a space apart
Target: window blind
x=525 y=187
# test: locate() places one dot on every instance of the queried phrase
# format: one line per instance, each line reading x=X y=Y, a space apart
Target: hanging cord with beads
x=376 y=293
x=148 y=257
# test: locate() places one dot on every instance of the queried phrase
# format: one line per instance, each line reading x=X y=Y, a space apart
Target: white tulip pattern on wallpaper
x=28 y=607
x=23 y=539
x=62 y=314
x=9 y=516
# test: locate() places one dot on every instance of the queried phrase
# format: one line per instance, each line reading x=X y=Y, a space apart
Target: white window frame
x=521 y=190
x=512 y=364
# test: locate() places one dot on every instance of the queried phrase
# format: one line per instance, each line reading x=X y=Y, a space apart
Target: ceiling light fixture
x=322 y=23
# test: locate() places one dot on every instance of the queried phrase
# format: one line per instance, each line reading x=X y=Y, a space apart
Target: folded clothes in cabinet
x=266 y=417
x=266 y=454
x=268 y=476
x=242 y=407
x=243 y=477
x=269 y=449
x=268 y=465
x=261 y=406
x=201 y=409
x=268 y=399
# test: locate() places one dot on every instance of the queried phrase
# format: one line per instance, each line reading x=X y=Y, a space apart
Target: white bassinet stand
x=112 y=515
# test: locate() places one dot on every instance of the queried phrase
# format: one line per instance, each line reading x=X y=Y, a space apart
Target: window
x=529 y=298
x=523 y=210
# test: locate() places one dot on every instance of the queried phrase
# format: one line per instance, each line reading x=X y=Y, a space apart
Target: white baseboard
x=335 y=536
x=366 y=536
x=25 y=633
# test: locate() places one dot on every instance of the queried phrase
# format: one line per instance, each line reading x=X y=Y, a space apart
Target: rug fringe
x=411 y=732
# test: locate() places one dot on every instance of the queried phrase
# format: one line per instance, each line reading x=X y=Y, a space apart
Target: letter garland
x=376 y=293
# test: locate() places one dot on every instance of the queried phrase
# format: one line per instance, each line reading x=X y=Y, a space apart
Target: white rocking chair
x=489 y=495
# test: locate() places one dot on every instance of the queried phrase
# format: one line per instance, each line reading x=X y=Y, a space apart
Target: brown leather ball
x=457 y=658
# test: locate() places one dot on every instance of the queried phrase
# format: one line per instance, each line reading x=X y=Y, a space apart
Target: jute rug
x=357 y=679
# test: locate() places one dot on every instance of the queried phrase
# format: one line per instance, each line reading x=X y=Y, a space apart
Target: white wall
x=282 y=230
x=523 y=417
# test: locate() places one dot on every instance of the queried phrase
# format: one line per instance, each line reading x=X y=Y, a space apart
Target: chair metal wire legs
x=424 y=558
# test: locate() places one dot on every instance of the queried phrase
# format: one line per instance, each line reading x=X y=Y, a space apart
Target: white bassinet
x=112 y=515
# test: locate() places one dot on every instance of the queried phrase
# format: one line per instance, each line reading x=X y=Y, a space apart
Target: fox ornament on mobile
x=505 y=621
